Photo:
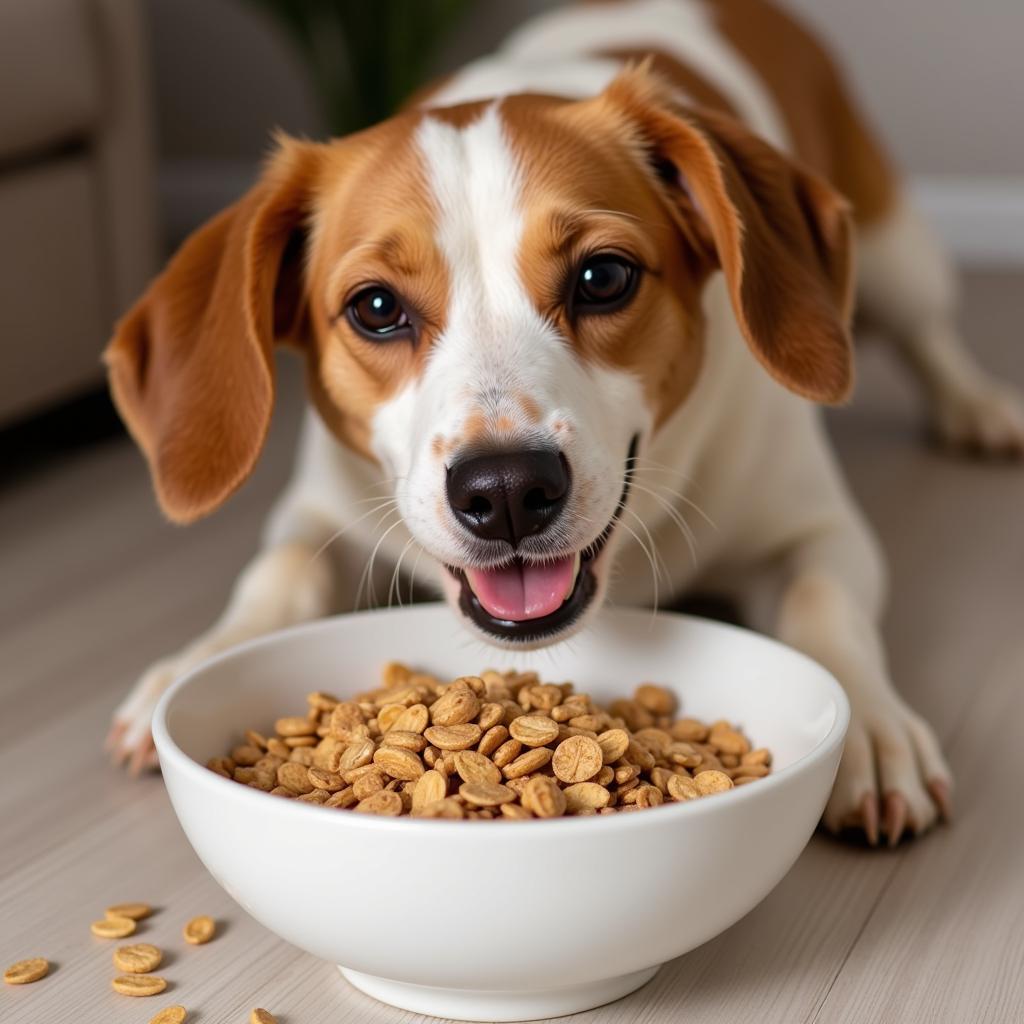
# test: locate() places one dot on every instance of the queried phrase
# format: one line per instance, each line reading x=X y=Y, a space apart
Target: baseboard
x=980 y=219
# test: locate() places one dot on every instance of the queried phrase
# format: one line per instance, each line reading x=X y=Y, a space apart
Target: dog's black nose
x=508 y=496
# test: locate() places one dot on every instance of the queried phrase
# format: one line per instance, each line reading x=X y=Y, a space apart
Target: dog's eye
x=605 y=283
x=376 y=312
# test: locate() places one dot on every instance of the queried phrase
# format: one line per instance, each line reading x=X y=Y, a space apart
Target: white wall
x=943 y=79
x=943 y=83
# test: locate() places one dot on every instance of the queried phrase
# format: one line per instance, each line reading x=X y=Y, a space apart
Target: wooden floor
x=93 y=586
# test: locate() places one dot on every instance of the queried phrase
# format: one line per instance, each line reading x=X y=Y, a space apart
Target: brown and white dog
x=572 y=313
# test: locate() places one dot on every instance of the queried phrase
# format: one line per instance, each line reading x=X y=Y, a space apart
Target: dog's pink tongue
x=518 y=592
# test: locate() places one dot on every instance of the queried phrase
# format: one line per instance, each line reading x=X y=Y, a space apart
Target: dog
x=569 y=317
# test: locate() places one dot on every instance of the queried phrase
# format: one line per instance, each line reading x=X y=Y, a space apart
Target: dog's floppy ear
x=781 y=235
x=190 y=365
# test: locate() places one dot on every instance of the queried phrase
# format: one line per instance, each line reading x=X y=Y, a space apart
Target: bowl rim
x=169 y=751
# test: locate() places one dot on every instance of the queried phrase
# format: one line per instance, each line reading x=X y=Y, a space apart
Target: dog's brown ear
x=781 y=235
x=190 y=365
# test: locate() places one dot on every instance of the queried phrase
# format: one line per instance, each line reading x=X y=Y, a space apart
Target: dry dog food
x=26 y=971
x=497 y=745
x=262 y=1017
x=138 y=959
x=113 y=927
x=170 y=1015
x=138 y=984
x=199 y=930
x=135 y=911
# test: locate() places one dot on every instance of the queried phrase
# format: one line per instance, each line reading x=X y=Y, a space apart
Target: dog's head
x=499 y=302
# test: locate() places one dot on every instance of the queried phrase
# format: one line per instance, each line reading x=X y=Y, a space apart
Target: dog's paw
x=892 y=778
x=130 y=740
x=987 y=420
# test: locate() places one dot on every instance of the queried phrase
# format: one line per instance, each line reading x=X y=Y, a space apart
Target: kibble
x=135 y=911
x=138 y=959
x=199 y=930
x=113 y=927
x=534 y=730
x=262 y=1017
x=138 y=984
x=712 y=781
x=170 y=1015
x=497 y=746
x=577 y=759
x=486 y=794
x=386 y=802
x=24 y=972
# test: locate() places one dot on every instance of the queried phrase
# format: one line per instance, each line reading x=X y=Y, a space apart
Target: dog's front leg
x=286 y=583
x=892 y=775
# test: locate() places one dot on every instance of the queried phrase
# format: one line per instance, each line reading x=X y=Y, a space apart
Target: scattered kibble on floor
x=200 y=930
x=138 y=959
x=170 y=1015
x=24 y=972
x=135 y=961
x=138 y=984
x=136 y=911
x=113 y=927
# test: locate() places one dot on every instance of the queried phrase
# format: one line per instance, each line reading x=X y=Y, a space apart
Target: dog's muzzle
x=531 y=600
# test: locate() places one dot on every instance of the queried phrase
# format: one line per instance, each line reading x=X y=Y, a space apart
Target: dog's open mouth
x=528 y=601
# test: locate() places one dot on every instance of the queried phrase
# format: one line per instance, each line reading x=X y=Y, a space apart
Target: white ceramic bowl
x=501 y=921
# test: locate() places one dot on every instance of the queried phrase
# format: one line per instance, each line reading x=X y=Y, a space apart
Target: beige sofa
x=77 y=192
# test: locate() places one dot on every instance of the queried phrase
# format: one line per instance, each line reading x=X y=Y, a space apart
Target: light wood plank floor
x=93 y=586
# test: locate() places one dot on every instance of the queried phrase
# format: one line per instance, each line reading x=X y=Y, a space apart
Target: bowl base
x=481 y=1004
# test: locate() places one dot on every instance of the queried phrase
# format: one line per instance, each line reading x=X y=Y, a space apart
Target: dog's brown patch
x=781 y=235
x=695 y=87
x=357 y=242
x=530 y=409
x=584 y=192
x=475 y=427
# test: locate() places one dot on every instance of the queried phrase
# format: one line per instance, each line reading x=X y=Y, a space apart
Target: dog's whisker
x=661 y=567
x=376 y=526
x=415 y=569
x=395 y=589
x=371 y=591
x=645 y=465
x=650 y=558
x=668 y=491
x=366 y=579
x=376 y=497
x=367 y=574
x=650 y=541
x=378 y=485
x=660 y=560
x=677 y=518
x=643 y=462
x=653 y=557
x=661 y=498
x=348 y=526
